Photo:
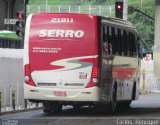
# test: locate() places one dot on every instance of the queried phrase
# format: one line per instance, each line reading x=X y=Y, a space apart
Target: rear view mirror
x=144 y=53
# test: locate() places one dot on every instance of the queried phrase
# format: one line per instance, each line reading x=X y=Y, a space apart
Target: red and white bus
x=80 y=59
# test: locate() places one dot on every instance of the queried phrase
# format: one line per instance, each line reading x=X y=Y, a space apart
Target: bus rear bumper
x=58 y=94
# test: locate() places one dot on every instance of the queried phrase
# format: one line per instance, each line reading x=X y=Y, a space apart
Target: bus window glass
x=125 y=42
x=113 y=40
x=131 y=45
x=119 y=43
x=116 y=41
x=122 y=43
x=107 y=41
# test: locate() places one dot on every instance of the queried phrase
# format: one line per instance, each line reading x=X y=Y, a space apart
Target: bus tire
x=124 y=105
x=47 y=107
x=134 y=92
x=52 y=107
x=57 y=108
x=127 y=104
x=113 y=103
x=47 y=111
x=76 y=107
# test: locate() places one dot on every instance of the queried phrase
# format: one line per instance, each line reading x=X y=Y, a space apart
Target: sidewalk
x=8 y=110
x=147 y=101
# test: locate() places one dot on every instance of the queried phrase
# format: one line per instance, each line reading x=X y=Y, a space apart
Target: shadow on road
x=120 y=112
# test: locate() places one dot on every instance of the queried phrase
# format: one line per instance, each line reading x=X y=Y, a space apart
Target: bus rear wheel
x=52 y=107
x=124 y=105
x=76 y=107
x=57 y=108
x=47 y=111
x=113 y=103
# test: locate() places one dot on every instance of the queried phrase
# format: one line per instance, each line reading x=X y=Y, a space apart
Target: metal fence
x=11 y=43
x=96 y=10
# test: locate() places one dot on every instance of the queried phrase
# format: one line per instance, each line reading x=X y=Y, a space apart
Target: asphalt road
x=145 y=111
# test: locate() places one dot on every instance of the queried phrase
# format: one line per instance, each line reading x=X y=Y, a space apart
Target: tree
x=144 y=25
x=98 y=1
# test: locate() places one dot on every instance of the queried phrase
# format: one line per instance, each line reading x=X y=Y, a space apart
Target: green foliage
x=144 y=25
x=71 y=2
x=8 y=34
x=50 y=2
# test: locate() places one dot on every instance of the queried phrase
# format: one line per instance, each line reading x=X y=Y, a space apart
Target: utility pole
x=125 y=10
x=156 y=50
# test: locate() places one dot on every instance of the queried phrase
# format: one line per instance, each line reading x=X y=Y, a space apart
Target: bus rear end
x=61 y=58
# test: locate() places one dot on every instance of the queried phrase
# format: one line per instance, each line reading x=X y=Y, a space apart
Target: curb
x=18 y=111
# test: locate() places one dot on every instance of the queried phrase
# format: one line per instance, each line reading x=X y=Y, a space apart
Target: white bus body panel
x=47 y=93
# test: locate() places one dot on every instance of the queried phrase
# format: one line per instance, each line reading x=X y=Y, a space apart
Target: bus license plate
x=60 y=93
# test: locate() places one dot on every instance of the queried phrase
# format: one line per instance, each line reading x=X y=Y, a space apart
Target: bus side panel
x=126 y=71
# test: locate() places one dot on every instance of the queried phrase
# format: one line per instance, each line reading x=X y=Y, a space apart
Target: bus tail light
x=94 y=78
x=28 y=78
x=94 y=72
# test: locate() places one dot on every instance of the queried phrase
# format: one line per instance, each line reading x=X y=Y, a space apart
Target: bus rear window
x=69 y=33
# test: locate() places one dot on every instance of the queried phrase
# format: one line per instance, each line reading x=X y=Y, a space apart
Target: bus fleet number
x=62 y=20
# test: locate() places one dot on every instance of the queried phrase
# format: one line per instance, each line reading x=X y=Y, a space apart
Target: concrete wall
x=11 y=79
